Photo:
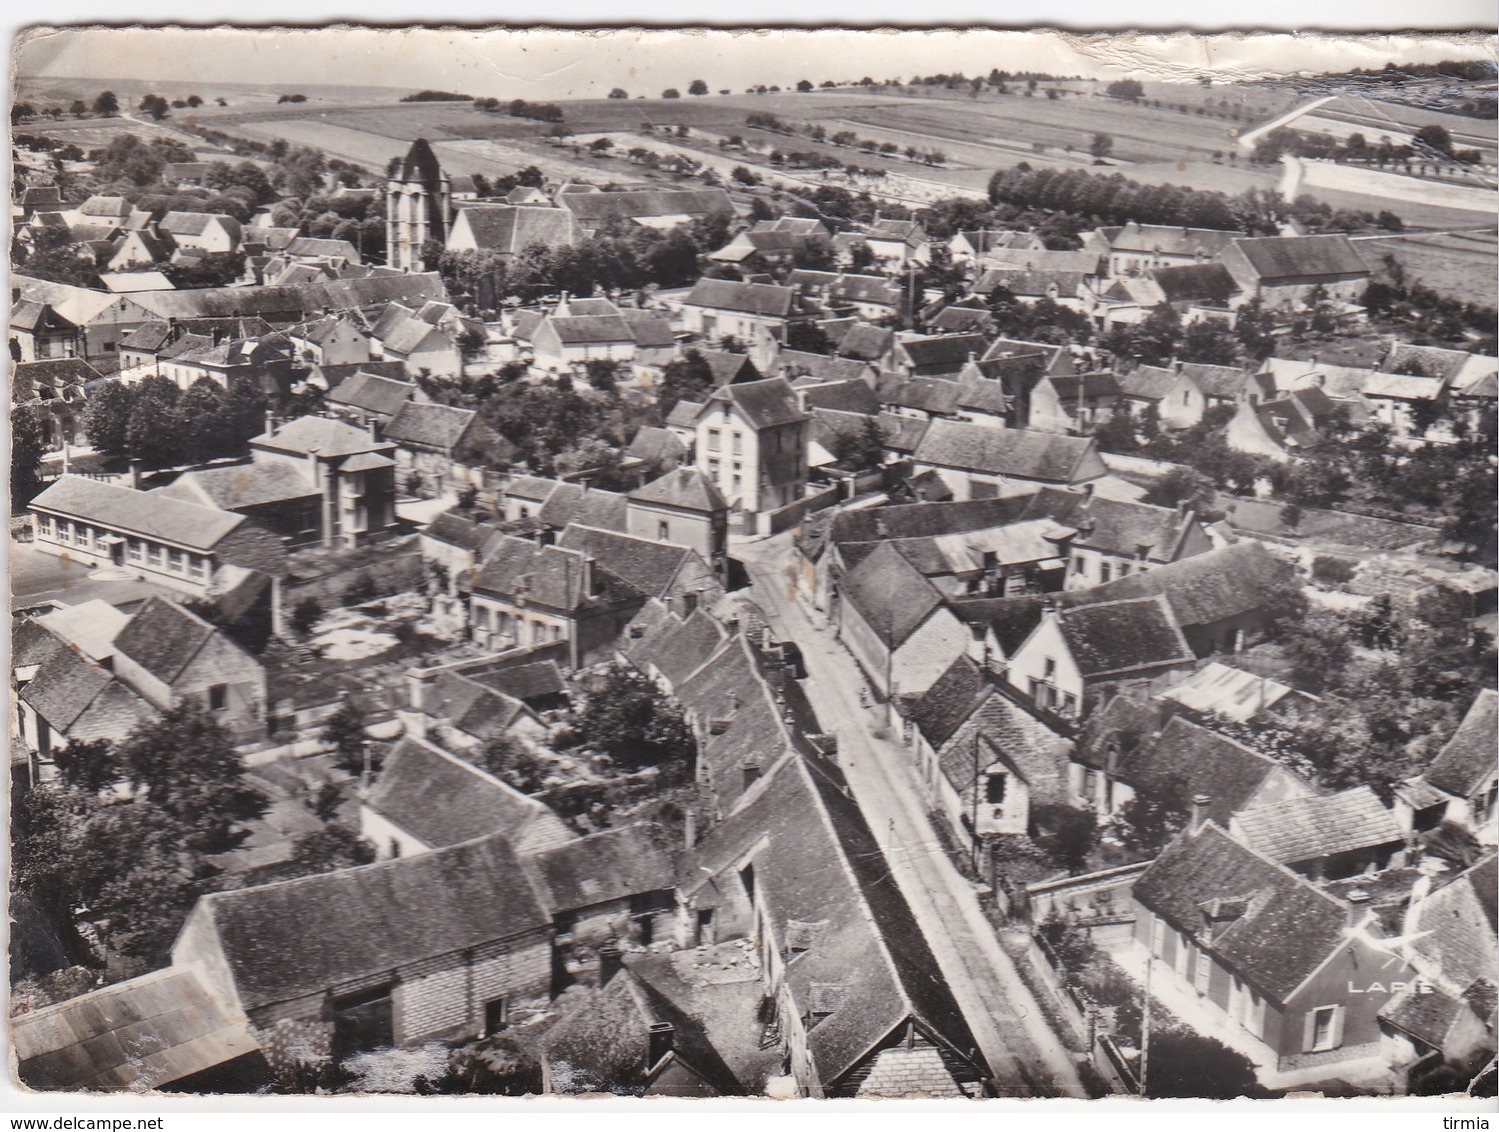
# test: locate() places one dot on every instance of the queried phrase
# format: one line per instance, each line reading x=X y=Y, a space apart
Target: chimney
x=270 y=421
x=660 y=1038
x=1358 y=906
x=1088 y=490
x=374 y=428
x=1200 y=804
x=751 y=773
x=689 y=828
x=135 y=473
x=591 y=583
x=611 y=962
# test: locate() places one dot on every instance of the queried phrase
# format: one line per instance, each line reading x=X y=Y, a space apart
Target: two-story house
x=751 y=442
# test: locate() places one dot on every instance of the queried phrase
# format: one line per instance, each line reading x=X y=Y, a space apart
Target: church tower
x=418 y=207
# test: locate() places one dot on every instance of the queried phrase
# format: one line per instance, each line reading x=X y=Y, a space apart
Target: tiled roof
x=599 y=206
x=1462 y=936
x=729 y=367
x=659 y=447
x=1200 y=761
x=867 y=343
x=64 y=686
x=146 y=513
x=1195 y=282
x=751 y=298
x=947 y=351
x=1113 y=525
x=616 y=864
x=962 y=320
x=548 y=576
x=236 y=486
x=163 y=638
x=941 y=710
x=765 y=404
x=1204 y=588
x=1206 y=242
x=372 y=393
x=683 y=487
x=1291 y=257
x=323 y=436
x=1011 y=618
x=864 y=289
x=590 y=507
x=649 y=566
x=442 y=800
x=1467 y=760
x=902 y=433
x=674 y=646
x=592 y=329
x=1034 y=284
x=303 y=937
x=1000 y=726
x=1009 y=452
x=869 y=968
x=890 y=594
x=460 y=529
x=470 y=706
x=933 y=395
x=795 y=363
x=1426 y=1014
x=1303 y=829
x=1150 y=383
x=48 y=378
x=1287 y=927
x=925 y=520
x=430 y=426
x=141 y=1034
x=537 y=682
x=1123 y=636
x=511 y=229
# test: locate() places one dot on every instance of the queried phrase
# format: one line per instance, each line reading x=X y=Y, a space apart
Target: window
x=1323 y=1026
x=1157 y=936
x=135 y=550
x=738 y=442
x=738 y=480
x=1124 y=569
x=83 y=534
x=44 y=525
x=197 y=566
x=218 y=697
x=663 y=531
x=715 y=440
x=176 y=563
x=155 y=555
x=714 y=467
x=1186 y=396
x=1050 y=672
x=1105 y=572
x=994 y=789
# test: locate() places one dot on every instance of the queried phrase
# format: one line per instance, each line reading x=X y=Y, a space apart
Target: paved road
x=1026 y=1058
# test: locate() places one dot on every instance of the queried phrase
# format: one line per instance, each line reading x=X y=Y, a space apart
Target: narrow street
x=1026 y=1058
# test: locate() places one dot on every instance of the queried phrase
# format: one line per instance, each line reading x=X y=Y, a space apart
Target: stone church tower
x=418 y=207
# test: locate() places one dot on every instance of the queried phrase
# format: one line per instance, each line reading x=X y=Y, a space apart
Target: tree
x=1209 y=342
x=1434 y=137
x=106 y=105
x=697 y=87
x=1319 y=647
x=1186 y=1064
x=690 y=378
x=804 y=85
x=629 y=720
x=26 y=452
x=107 y=418
x=194 y=101
x=619 y=92
x=152 y=433
x=1149 y=820
x=1101 y=146
x=332 y=847
x=344 y=732
x=1129 y=90
x=601 y=145
x=509 y=759
x=156 y=106
x=671 y=92
x=1068 y=836
x=861 y=449
x=206 y=433
x=184 y=764
x=304 y=615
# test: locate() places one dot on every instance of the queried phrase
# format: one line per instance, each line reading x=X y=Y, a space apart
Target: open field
x=1463 y=266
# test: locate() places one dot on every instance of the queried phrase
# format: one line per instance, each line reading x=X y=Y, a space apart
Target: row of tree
x=164 y=426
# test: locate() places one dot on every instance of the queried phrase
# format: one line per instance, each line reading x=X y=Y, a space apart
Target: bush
x=1331 y=570
x=360 y=590
x=304 y=615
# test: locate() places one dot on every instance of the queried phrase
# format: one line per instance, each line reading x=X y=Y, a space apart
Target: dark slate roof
x=442 y=800
x=902 y=433
x=658 y=446
x=1009 y=452
x=1427 y=1014
x=1114 y=525
x=1460 y=920
x=1287 y=927
x=1290 y=257
x=590 y=507
x=821 y=367
x=420 y=163
x=592 y=329
x=847 y=396
x=430 y=426
x=947 y=350
x=322 y=436
x=867 y=964
x=1303 y=829
x=934 y=395
x=1149 y=383
x=999 y=725
x=729 y=367
x=1468 y=758
x=470 y=706
x=31 y=643
x=765 y=404
x=302 y=937
x=891 y=595
x=1012 y=618
x=1123 y=636
x=941 y=710
x=163 y=638
x=1202 y=761
x=48 y=378
x=1204 y=588
x=675 y=647
x=460 y=529
x=615 y=864
x=751 y=298
x=150 y=336
x=961 y=320
x=1195 y=282
x=649 y=566
x=139 y=512
x=1161 y=238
